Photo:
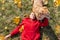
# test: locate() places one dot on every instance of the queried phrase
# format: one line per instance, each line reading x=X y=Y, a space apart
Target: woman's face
x=40 y=13
x=32 y=16
x=40 y=16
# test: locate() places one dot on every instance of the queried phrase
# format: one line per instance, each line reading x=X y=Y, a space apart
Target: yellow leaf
x=3 y=8
x=56 y=3
x=1 y=37
x=3 y=1
x=16 y=20
x=19 y=5
x=6 y=27
x=22 y=28
x=57 y=29
x=15 y=1
x=18 y=0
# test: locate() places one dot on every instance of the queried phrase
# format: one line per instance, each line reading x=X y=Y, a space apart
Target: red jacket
x=31 y=29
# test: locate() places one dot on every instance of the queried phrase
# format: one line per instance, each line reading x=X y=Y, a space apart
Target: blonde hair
x=41 y=11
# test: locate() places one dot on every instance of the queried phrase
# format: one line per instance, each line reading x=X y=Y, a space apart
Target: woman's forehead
x=41 y=10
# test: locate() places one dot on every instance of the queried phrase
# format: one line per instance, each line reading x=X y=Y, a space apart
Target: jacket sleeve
x=16 y=30
x=45 y=22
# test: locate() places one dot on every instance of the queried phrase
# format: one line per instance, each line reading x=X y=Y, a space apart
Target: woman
x=31 y=28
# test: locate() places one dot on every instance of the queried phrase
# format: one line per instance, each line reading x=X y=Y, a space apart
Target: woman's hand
x=6 y=37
